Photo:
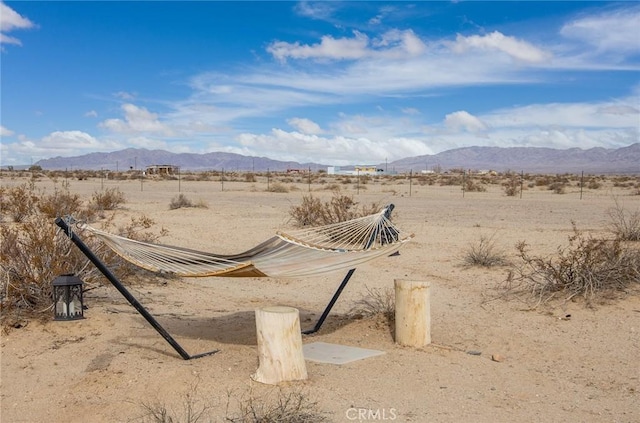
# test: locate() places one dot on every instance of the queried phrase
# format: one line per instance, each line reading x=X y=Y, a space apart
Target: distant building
x=358 y=170
x=162 y=170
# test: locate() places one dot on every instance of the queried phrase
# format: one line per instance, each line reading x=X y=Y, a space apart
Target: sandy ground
x=107 y=367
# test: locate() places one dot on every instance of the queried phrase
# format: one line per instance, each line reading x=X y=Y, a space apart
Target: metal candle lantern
x=67 y=298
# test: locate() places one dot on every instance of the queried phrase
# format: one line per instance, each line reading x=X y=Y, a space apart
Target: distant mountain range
x=527 y=159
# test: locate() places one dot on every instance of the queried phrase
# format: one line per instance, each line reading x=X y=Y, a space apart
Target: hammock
x=304 y=252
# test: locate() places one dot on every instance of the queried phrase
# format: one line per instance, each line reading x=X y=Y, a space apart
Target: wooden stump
x=280 y=353
x=413 y=313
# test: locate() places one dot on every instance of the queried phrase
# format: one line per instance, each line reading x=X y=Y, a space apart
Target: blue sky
x=328 y=82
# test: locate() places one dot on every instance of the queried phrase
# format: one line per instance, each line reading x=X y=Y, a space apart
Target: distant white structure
x=358 y=170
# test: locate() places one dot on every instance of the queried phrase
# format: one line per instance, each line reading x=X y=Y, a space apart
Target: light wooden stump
x=413 y=313
x=280 y=353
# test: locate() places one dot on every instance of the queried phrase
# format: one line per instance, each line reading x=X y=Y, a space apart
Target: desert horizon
x=559 y=361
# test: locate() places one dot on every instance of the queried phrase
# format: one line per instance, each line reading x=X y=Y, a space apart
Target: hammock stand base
x=149 y=318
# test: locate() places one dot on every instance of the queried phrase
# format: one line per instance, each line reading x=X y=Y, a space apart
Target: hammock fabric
x=304 y=252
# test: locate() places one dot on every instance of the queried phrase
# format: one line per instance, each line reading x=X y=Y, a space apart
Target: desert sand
x=551 y=368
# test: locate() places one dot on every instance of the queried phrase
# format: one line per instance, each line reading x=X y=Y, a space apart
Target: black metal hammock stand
x=64 y=224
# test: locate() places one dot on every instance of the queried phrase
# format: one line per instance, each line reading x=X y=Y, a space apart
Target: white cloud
x=11 y=20
x=5 y=132
x=305 y=126
x=410 y=111
x=613 y=30
x=462 y=120
x=519 y=50
x=619 y=115
x=338 y=150
x=59 y=143
x=327 y=48
x=137 y=120
x=123 y=95
x=315 y=10
x=69 y=140
x=394 y=44
x=91 y=114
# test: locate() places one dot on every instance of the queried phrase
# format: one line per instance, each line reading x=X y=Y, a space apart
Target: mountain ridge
x=527 y=159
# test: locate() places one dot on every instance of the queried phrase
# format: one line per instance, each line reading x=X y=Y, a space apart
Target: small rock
x=474 y=352
x=498 y=358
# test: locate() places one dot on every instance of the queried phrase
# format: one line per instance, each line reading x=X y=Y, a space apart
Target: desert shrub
x=377 y=304
x=60 y=203
x=313 y=212
x=18 y=202
x=289 y=406
x=484 y=253
x=180 y=201
x=624 y=224
x=446 y=180
x=109 y=199
x=557 y=187
x=278 y=187
x=249 y=177
x=589 y=268
x=471 y=185
x=332 y=187
x=511 y=186
x=594 y=184
x=280 y=405
x=34 y=251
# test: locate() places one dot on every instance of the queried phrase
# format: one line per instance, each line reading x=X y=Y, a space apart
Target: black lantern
x=67 y=298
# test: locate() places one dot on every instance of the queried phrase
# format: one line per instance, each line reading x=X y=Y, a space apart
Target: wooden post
x=413 y=313
x=280 y=353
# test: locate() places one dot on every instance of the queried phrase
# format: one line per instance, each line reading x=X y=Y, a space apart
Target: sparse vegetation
x=625 y=225
x=471 y=185
x=33 y=251
x=377 y=304
x=110 y=199
x=485 y=253
x=590 y=268
x=288 y=406
x=278 y=187
x=313 y=212
x=280 y=405
x=180 y=201
x=512 y=185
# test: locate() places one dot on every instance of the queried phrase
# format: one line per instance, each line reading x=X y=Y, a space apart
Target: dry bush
x=471 y=185
x=313 y=212
x=485 y=253
x=287 y=407
x=593 y=269
x=194 y=408
x=60 y=203
x=625 y=225
x=332 y=187
x=180 y=201
x=278 y=187
x=594 y=184
x=34 y=251
x=512 y=185
x=18 y=202
x=558 y=187
x=377 y=304
x=109 y=199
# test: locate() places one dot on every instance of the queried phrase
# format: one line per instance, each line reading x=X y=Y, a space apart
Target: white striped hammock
x=303 y=252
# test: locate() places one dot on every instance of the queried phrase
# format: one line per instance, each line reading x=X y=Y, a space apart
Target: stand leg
x=326 y=311
x=132 y=300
